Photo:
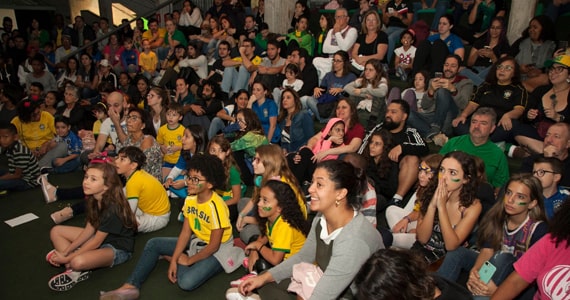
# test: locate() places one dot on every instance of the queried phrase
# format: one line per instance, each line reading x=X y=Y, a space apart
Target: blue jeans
x=444 y=106
x=119 y=256
x=455 y=261
x=477 y=78
x=312 y=106
x=69 y=166
x=393 y=33
x=13 y=184
x=235 y=80
x=188 y=277
x=216 y=126
x=182 y=193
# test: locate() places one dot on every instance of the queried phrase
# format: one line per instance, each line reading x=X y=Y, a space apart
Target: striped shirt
x=19 y=156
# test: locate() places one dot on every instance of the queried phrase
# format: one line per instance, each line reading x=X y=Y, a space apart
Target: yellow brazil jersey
x=97 y=128
x=300 y=198
x=34 y=134
x=151 y=195
x=170 y=137
x=205 y=217
x=256 y=60
x=284 y=238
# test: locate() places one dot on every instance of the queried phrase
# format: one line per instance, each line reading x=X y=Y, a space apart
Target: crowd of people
x=214 y=106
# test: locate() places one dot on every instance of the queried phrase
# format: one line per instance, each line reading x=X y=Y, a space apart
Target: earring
x=568 y=80
x=337 y=203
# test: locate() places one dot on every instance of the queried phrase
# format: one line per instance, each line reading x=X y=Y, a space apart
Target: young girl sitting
x=381 y=169
x=268 y=163
x=283 y=229
x=232 y=191
x=207 y=229
x=303 y=162
x=292 y=80
x=404 y=55
x=108 y=237
x=506 y=232
x=449 y=209
x=50 y=102
x=414 y=94
x=403 y=221
x=193 y=141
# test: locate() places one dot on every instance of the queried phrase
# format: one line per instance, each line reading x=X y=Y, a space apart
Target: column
x=520 y=14
x=278 y=15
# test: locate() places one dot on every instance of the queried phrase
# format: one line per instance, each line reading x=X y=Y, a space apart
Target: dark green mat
x=26 y=273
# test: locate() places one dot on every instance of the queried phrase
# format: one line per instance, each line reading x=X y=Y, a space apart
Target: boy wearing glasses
x=548 y=170
x=144 y=192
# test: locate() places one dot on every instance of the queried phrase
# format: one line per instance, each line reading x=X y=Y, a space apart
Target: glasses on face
x=427 y=170
x=256 y=159
x=194 y=180
x=557 y=69
x=505 y=67
x=340 y=17
x=133 y=118
x=541 y=172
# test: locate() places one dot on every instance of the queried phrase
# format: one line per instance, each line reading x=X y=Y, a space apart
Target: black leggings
x=303 y=170
x=73 y=193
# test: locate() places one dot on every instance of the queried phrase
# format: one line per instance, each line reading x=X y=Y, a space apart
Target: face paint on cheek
x=522 y=203
x=265 y=208
x=199 y=185
x=455 y=179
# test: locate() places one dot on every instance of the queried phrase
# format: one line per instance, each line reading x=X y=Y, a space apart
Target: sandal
x=49 y=256
x=63 y=215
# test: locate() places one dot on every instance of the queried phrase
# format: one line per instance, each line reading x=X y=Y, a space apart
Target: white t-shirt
x=297 y=85
x=405 y=56
x=108 y=129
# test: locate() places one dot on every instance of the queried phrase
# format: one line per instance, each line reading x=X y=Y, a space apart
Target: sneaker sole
x=63 y=282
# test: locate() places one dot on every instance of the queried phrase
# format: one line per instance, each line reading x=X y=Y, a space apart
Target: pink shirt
x=549 y=266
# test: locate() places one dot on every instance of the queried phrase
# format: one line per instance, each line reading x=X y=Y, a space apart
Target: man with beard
x=409 y=147
x=238 y=70
x=208 y=105
x=118 y=106
x=477 y=143
x=445 y=98
x=269 y=71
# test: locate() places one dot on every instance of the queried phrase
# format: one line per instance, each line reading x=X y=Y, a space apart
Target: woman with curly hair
x=381 y=169
x=249 y=137
x=545 y=263
x=400 y=274
x=449 y=209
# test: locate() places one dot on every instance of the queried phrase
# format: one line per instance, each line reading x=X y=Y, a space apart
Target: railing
x=149 y=13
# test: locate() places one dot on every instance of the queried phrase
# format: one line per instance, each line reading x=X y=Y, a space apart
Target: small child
x=65 y=148
x=405 y=54
x=23 y=168
x=148 y=61
x=549 y=170
x=207 y=229
x=108 y=238
x=169 y=137
x=292 y=80
x=129 y=57
x=100 y=111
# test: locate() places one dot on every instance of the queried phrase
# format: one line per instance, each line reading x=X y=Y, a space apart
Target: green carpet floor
x=25 y=272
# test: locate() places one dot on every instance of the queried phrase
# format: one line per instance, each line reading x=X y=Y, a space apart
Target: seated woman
x=506 y=232
x=195 y=66
x=249 y=137
x=400 y=274
x=549 y=105
x=336 y=231
x=326 y=96
x=372 y=43
x=87 y=80
x=157 y=101
x=72 y=109
x=542 y=263
x=266 y=111
x=479 y=20
x=533 y=49
x=295 y=123
x=141 y=95
x=140 y=133
x=486 y=51
x=170 y=68
x=503 y=92
x=431 y=53
x=369 y=92
x=381 y=169
x=449 y=209
x=403 y=221
x=300 y=37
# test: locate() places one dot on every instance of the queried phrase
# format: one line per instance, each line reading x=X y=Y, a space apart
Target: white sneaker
x=48 y=189
x=66 y=280
x=233 y=294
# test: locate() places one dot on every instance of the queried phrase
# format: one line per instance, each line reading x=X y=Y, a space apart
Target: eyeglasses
x=557 y=69
x=133 y=117
x=426 y=169
x=256 y=159
x=340 y=17
x=505 y=67
x=541 y=172
x=195 y=180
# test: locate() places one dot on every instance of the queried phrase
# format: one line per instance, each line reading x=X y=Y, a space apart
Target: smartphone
x=438 y=74
x=486 y=271
x=390 y=10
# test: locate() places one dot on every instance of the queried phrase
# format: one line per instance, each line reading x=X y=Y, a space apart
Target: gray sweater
x=464 y=93
x=357 y=241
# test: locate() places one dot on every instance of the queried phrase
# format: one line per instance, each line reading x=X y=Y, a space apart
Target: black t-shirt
x=372 y=48
x=404 y=8
x=500 y=49
x=502 y=98
x=118 y=235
